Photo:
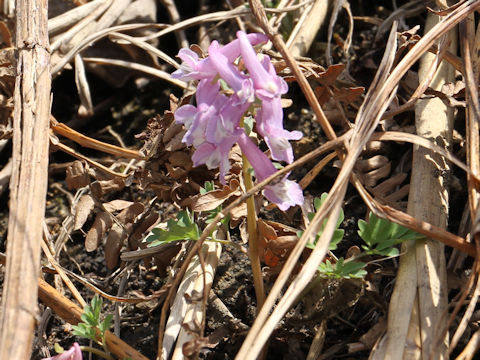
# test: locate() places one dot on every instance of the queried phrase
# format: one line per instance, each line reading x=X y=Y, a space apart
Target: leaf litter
x=122 y=200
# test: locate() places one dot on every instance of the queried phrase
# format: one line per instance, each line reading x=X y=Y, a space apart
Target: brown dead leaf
x=329 y=76
x=118 y=234
x=141 y=227
x=348 y=94
x=83 y=208
x=116 y=205
x=275 y=241
x=101 y=187
x=5 y=34
x=116 y=238
x=128 y=215
x=212 y=199
x=77 y=176
x=102 y=223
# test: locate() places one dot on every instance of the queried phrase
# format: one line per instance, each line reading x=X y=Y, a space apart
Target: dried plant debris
x=7 y=79
x=137 y=214
x=169 y=170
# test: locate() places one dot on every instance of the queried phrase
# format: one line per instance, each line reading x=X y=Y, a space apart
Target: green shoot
x=91 y=326
x=342 y=269
x=381 y=236
x=337 y=234
x=182 y=228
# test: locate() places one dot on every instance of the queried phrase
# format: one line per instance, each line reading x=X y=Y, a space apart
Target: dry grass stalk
x=374 y=105
x=469 y=39
x=185 y=312
x=28 y=182
x=306 y=29
x=420 y=289
x=195 y=311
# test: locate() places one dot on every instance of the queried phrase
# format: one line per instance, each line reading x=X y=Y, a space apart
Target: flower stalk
x=215 y=123
x=252 y=236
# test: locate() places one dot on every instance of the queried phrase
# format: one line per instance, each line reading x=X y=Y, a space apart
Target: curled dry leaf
x=275 y=241
x=77 y=176
x=116 y=205
x=100 y=188
x=169 y=170
x=212 y=199
x=103 y=222
x=116 y=238
x=120 y=229
x=83 y=208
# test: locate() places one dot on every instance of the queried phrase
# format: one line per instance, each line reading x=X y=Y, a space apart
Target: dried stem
x=28 y=181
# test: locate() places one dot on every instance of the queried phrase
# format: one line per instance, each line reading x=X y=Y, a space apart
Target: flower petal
x=285 y=194
x=74 y=353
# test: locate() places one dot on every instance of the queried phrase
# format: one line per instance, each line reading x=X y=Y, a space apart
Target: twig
x=28 y=183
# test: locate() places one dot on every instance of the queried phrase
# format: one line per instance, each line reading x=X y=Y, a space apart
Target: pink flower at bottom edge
x=74 y=353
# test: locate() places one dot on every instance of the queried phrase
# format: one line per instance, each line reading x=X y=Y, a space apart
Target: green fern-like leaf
x=381 y=236
x=183 y=228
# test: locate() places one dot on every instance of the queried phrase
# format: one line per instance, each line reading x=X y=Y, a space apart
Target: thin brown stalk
x=28 y=183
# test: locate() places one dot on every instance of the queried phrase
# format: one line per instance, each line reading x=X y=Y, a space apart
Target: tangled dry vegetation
x=386 y=96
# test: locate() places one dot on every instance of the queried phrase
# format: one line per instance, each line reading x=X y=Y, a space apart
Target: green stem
x=252 y=237
x=96 y=352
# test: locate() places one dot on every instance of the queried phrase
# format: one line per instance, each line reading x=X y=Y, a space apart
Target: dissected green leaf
x=207 y=187
x=105 y=324
x=91 y=326
x=183 y=228
x=380 y=235
x=337 y=234
x=343 y=269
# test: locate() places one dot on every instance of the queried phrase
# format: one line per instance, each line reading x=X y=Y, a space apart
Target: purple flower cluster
x=213 y=125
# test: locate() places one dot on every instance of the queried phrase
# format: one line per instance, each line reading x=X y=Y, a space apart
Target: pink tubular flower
x=193 y=68
x=195 y=119
x=265 y=81
x=270 y=126
x=213 y=123
x=74 y=353
x=240 y=83
x=221 y=132
x=284 y=193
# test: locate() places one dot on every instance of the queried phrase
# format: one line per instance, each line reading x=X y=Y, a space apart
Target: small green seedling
x=381 y=236
x=337 y=234
x=182 y=228
x=342 y=269
x=91 y=326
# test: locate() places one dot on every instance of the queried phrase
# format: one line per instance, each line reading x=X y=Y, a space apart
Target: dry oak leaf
x=83 y=208
x=77 y=176
x=103 y=222
x=213 y=199
x=275 y=241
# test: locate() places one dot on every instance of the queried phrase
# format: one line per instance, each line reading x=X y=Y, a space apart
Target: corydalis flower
x=284 y=193
x=194 y=68
x=213 y=124
x=74 y=353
